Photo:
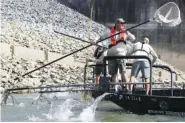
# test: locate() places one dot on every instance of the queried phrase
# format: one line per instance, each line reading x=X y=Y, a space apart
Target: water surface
x=71 y=107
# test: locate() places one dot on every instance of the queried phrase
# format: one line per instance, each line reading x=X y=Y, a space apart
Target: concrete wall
x=26 y=53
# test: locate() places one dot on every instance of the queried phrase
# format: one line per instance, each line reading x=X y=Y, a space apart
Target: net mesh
x=168 y=15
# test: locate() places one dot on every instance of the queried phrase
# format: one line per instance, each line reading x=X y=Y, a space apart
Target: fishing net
x=168 y=15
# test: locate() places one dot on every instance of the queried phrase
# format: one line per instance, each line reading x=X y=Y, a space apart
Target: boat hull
x=155 y=104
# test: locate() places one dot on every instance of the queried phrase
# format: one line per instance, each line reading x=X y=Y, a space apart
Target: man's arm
x=104 y=43
x=130 y=36
x=154 y=54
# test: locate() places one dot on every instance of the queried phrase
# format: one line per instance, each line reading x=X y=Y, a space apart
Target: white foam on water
x=62 y=112
x=49 y=116
x=65 y=112
x=88 y=114
x=38 y=107
x=9 y=104
x=58 y=95
x=34 y=119
x=21 y=105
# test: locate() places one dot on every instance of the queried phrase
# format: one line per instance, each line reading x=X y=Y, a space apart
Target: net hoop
x=168 y=15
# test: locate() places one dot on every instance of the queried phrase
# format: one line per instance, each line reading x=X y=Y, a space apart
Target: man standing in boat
x=116 y=47
x=142 y=65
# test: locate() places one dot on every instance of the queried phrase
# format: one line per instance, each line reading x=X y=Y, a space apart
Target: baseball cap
x=147 y=39
x=120 y=20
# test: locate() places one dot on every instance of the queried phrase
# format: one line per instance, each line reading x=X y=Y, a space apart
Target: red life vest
x=113 y=38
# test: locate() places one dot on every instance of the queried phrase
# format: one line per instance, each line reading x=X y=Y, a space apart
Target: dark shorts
x=115 y=64
x=99 y=69
x=143 y=66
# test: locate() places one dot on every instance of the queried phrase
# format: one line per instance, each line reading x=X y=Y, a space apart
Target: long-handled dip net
x=166 y=15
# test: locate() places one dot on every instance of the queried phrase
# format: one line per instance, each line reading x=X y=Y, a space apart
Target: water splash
x=49 y=115
x=21 y=105
x=86 y=114
x=62 y=112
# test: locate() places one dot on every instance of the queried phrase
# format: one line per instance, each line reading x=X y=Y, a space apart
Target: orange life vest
x=113 y=38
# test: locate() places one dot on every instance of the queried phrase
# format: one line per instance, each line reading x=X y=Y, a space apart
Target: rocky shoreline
x=30 y=24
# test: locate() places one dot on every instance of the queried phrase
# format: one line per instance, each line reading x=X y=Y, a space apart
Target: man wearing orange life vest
x=116 y=46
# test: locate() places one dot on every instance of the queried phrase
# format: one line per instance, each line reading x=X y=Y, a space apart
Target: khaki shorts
x=115 y=64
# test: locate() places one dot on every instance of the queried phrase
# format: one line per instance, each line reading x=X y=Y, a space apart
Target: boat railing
x=129 y=66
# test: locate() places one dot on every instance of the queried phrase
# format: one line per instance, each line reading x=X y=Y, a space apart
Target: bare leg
x=147 y=86
x=124 y=78
x=97 y=79
x=132 y=79
x=114 y=78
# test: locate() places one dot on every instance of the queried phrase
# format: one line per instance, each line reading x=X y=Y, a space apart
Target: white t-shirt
x=148 y=51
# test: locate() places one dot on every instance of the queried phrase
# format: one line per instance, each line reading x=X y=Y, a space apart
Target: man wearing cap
x=142 y=65
x=116 y=47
